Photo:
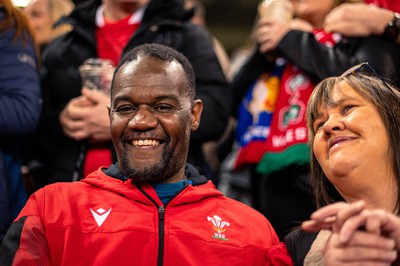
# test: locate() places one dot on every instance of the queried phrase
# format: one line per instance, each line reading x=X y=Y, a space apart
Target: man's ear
x=109 y=111
x=197 y=108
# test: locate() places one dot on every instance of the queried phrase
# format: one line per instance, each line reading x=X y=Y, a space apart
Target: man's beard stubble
x=167 y=167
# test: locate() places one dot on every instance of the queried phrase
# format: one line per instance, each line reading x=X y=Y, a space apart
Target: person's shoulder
x=194 y=30
x=247 y=211
x=62 y=188
x=298 y=244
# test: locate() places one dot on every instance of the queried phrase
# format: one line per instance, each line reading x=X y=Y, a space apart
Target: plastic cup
x=96 y=74
x=281 y=10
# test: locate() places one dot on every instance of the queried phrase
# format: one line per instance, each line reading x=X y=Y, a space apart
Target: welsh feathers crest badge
x=218 y=226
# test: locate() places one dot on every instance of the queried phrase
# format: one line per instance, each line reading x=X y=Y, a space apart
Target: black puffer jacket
x=164 y=21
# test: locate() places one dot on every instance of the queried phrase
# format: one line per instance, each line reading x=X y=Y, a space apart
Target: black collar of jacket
x=190 y=172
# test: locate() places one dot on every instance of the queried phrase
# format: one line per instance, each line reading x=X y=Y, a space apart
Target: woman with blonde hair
x=43 y=15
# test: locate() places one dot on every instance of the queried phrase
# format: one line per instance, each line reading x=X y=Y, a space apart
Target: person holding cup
x=74 y=137
x=375 y=17
x=282 y=187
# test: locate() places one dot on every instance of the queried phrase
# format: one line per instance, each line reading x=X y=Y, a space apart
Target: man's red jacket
x=102 y=220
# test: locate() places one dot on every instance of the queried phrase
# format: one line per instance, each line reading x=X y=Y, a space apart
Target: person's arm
x=320 y=61
x=25 y=242
x=19 y=85
x=359 y=20
x=211 y=84
x=278 y=255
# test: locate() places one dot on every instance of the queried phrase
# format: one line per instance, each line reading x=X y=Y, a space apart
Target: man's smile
x=145 y=142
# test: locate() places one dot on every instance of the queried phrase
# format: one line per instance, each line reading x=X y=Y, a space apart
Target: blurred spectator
x=42 y=16
x=380 y=17
x=214 y=151
x=271 y=92
x=199 y=18
x=19 y=106
x=74 y=132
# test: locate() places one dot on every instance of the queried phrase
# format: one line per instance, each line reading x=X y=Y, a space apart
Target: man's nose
x=143 y=119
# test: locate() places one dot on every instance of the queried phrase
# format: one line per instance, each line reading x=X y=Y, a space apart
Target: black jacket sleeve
x=211 y=84
x=255 y=65
x=320 y=61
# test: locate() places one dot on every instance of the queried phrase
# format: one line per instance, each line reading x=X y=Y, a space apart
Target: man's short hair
x=163 y=53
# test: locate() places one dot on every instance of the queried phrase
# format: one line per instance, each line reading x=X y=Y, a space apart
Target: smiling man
x=151 y=208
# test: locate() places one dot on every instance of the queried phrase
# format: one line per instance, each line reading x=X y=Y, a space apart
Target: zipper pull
x=161 y=211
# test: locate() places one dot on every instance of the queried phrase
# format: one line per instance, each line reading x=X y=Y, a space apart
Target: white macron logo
x=100 y=215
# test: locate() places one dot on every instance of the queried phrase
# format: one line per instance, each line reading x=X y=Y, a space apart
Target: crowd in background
x=253 y=139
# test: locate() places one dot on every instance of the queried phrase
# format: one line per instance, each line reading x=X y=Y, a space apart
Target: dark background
x=230 y=21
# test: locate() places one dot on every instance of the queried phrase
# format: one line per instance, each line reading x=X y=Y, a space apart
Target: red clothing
x=111 y=39
x=102 y=220
x=278 y=255
x=393 y=5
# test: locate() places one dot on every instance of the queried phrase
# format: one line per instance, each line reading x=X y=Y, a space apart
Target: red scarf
x=287 y=142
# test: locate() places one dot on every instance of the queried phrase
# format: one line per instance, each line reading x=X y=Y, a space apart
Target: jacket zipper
x=161 y=219
x=161 y=212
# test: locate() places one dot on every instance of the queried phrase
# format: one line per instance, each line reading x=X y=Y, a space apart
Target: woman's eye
x=347 y=108
x=318 y=125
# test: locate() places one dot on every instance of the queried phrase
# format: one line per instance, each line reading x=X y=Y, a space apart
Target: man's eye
x=125 y=109
x=163 y=108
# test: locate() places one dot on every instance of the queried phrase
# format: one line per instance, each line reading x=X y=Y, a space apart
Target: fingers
x=387 y=224
x=270 y=31
x=375 y=222
x=328 y=211
x=72 y=118
x=75 y=129
x=339 y=19
x=96 y=96
x=313 y=226
x=368 y=240
x=348 y=211
x=333 y=216
x=362 y=249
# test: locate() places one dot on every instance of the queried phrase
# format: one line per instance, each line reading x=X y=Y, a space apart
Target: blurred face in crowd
x=152 y=117
x=351 y=140
x=119 y=9
x=38 y=13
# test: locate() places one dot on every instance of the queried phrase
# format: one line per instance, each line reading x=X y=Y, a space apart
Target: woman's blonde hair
x=58 y=9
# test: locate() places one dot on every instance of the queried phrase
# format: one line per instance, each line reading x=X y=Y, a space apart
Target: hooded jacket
x=108 y=220
x=165 y=22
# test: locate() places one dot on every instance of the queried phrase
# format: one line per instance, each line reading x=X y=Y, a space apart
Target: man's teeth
x=146 y=142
